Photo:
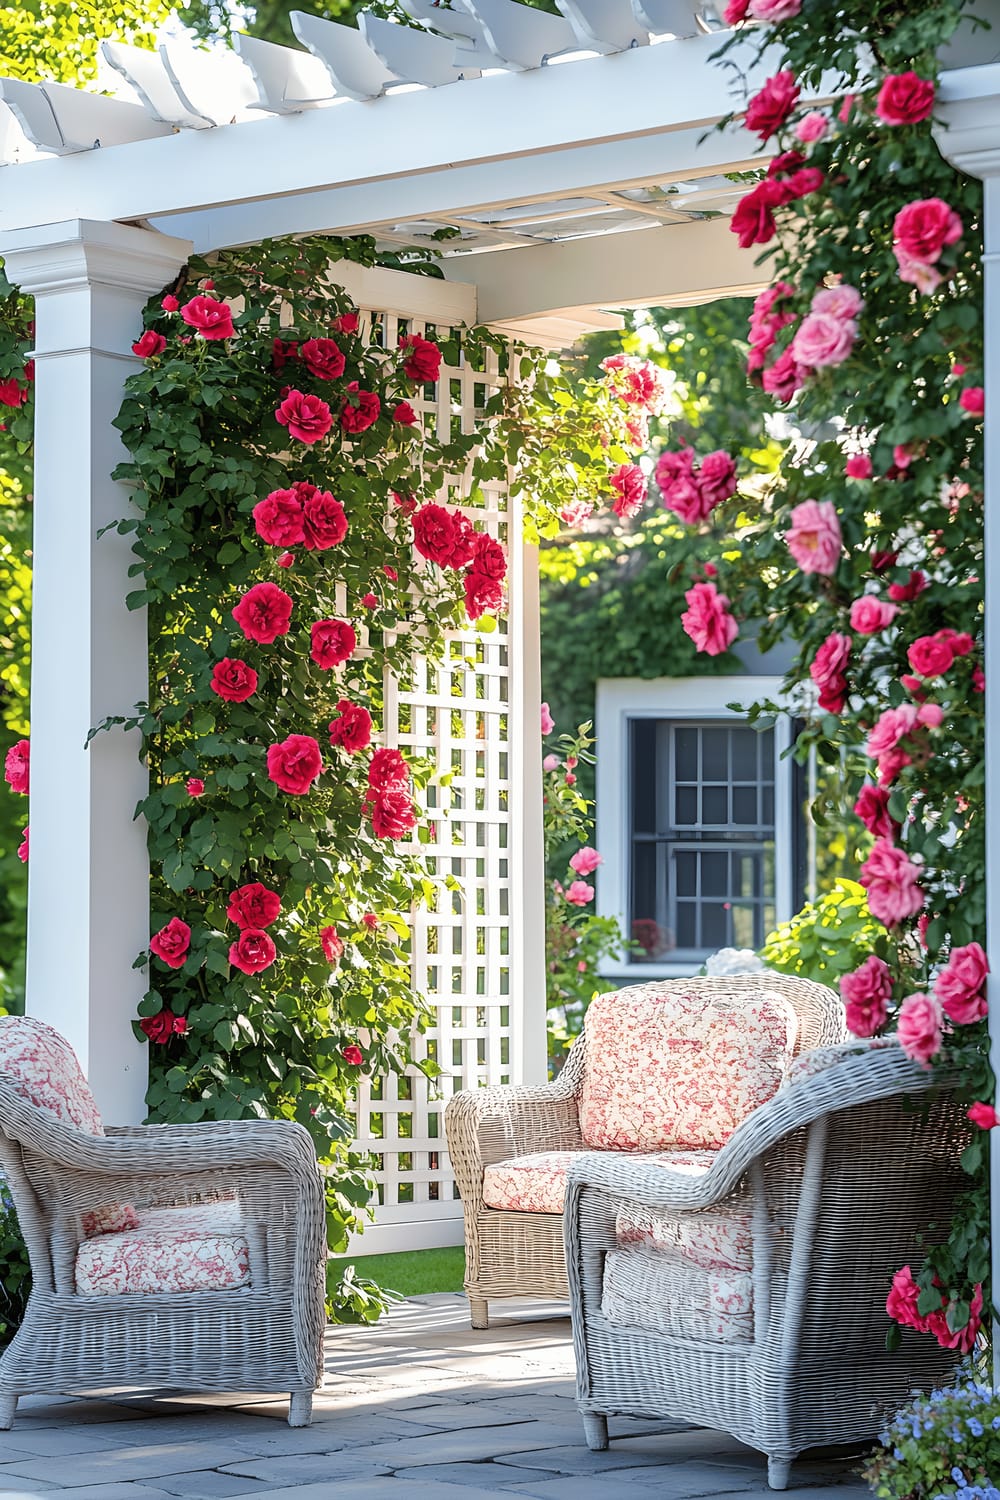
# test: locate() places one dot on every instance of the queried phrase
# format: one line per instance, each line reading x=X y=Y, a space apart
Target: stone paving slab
x=420 y=1407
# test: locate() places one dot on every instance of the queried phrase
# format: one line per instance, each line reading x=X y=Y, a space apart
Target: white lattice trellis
x=473 y=950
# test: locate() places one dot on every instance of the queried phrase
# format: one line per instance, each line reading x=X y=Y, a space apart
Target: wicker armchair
x=517 y=1253
x=187 y=1256
x=827 y=1189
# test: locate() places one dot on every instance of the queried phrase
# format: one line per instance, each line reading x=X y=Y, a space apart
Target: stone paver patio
x=420 y=1406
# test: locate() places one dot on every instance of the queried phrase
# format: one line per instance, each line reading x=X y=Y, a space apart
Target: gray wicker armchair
x=828 y=1189
x=518 y=1252
x=188 y=1256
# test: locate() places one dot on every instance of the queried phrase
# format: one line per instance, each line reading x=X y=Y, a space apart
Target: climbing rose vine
x=869 y=549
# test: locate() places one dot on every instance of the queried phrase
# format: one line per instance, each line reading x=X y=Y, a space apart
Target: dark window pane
x=686 y=803
x=745 y=806
x=714 y=757
x=767 y=807
x=744 y=746
x=748 y=875
x=643 y=787
x=767 y=755
x=687 y=929
x=715 y=874
x=745 y=927
x=715 y=805
x=686 y=873
x=643 y=902
x=686 y=754
x=714 y=926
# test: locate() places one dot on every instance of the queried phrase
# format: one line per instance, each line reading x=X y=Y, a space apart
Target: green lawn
x=414 y=1271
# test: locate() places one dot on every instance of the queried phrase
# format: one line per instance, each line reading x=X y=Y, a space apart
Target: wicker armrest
x=493 y=1124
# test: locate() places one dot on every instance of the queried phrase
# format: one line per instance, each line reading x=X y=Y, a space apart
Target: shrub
x=15 y=1273
x=945 y=1446
x=827 y=938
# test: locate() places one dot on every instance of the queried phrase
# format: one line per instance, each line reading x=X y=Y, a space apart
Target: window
x=695 y=819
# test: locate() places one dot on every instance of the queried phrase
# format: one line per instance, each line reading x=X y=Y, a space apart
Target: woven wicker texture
x=266 y=1336
x=845 y=1172
x=515 y=1254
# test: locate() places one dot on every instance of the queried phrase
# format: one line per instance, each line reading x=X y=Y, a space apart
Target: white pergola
x=576 y=158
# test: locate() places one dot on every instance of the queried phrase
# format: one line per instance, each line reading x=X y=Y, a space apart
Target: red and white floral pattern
x=808 y=1064
x=186 y=1249
x=674 y=1071
x=536 y=1184
x=715 y=1241
x=654 y=1289
x=111 y=1219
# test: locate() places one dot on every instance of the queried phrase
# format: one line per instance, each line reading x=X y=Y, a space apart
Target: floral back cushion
x=675 y=1070
x=808 y=1064
x=42 y=1066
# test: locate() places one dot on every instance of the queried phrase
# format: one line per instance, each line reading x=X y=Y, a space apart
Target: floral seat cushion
x=190 y=1248
x=663 y=1292
x=536 y=1184
x=716 y=1241
x=674 y=1071
x=808 y=1064
x=43 y=1068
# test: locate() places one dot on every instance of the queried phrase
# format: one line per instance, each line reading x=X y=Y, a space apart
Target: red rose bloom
x=150 y=344
x=285 y=560
x=769 y=109
x=171 y=943
x=406 y=503
x=388 y=771
x=353 y=1055
x=930 y=656
x=923 y=228
x=170 y=303
x=322 y=358
x=904 y=99
x=423 y=359
x=253 y=906
x=902 y=592
x=209 y=317
x=482 y=594
x=195 y=786
x=333 y=947
x=306 y=417
x=333 y=641
x=324 y=521
x=435 y=534
x=278 y=519
x=252 y=952
x=753 y=217
x=389 y=572
x=391 y=813
x=22 y=848
x=233 y=680
x=973 y=400
x=17 y=767
x=161 y=1027
x=828 y=671
x=370 y=920
x=405 y=414
x=360 y=409
x=295 y=763
x=872 y=807
x=370 y=601
x=352 y=729
x=11 y=393
x=264 y=613
x=282 y=353
x=346 y=323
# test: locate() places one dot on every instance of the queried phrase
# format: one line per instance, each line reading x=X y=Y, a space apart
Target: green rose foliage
x=205 y=448
x=830 y=936
x=896 y=398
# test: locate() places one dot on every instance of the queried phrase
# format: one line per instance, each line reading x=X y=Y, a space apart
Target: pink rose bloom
x=812 y=127
x=629 y=484
x=916 y=583
x=858 y=466
x=901 y=1303
x=919 y=1028
x=866 y=994
x=814 y=539
x=770 y=106
x=716 y=479
x=548 y=723
x=923 y=228
x=931 y=715
x=872 y=807
x=960 y=984
x=551 y=763
x=893 y=726
x=828 y=671
x=786 y=376
x=195 y=786
x=964 y=1340
x=841 y=301
x=579 y=893
x=586 y=860
x=823 y=339
x=735 y=12
x=869 y=614
x=707 y=619
x=890 y=879
x=931 y=655
x=983 y=1115
x=904 y=99
x=917 y=273
x=973 y=400
x=22 y=848
x=576 y=513
x=774 y=10
x=17 y=767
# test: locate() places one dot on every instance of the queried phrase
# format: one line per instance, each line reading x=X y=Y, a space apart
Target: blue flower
x=975 y=1426
x=958 y=1476
x=995 y=1423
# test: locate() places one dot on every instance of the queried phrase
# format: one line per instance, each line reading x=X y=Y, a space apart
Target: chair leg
x=300 y=1409
x=778 y=1471
x=479 y=1311
x=8 y=1406
x=595 y=1430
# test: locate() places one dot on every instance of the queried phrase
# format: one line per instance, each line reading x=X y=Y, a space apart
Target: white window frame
x=620 y=699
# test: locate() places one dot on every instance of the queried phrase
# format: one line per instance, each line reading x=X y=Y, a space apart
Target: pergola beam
x=675 y=266
x=605 y=101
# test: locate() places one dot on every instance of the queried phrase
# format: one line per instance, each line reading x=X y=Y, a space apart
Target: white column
x=971 y=142
x=88 y=874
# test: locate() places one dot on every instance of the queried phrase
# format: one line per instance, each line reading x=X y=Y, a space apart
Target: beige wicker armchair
x=517 y=1252
x=751 y=1297
x=188 y=1256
